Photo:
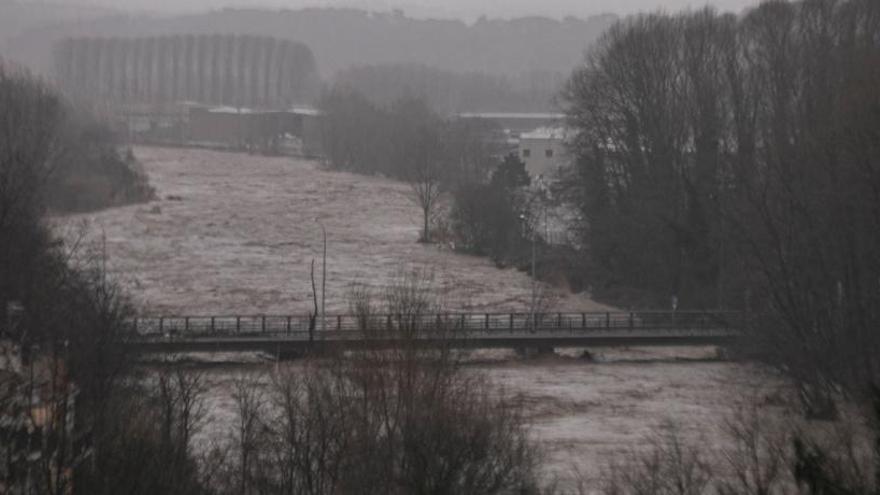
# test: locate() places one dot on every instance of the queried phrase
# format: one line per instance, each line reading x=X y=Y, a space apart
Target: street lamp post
x=323 y=277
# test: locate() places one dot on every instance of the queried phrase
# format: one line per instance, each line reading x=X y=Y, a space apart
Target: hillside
x=341 y=38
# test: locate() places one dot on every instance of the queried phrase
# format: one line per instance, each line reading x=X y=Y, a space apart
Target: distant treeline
x=397 y=139
x=451 y=92
x=527 y=51
x=216 y=69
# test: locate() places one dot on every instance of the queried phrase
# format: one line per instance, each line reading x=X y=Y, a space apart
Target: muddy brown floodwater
x=585 y=415
x=233 y=233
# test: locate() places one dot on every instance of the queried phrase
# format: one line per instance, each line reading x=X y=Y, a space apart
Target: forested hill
x=341 y=38
x=18 y=16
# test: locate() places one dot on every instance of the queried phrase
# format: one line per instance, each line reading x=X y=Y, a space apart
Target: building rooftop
x=511 y=115
x=235 y=110
x=304 y=110
x=296 y=110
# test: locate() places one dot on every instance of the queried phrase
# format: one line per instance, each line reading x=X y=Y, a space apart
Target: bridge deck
x=463 y=330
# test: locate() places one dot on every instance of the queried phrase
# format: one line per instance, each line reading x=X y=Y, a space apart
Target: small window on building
x=527 y=153
x=548 y=153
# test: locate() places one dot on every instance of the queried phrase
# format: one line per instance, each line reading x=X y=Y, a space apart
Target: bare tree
x=758 y=457
x=401 y=419
x=181 y=395
x=216 y=78
x=425 y=179
x=669 y=466
x=250 y=403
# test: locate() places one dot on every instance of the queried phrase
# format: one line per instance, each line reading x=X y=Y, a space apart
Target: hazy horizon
x=468 y=10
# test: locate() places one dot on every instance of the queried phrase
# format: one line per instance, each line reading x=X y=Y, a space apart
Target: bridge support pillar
x=531 y=352
x=289 y=354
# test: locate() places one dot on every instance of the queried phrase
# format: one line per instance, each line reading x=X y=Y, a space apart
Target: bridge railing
x=353 y=325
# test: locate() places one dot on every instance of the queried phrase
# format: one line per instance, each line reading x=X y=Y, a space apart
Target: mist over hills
x=343 y=38
x=17 y=17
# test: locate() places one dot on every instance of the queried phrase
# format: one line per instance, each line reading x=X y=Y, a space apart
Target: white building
x=543 y=151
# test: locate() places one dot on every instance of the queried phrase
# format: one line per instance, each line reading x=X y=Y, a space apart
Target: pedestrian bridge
x=300 y=333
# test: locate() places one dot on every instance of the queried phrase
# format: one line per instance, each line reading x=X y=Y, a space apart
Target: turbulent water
x=234 y=233
x=584 y=415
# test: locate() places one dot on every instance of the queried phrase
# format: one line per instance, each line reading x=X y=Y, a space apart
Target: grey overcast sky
x=464 y=9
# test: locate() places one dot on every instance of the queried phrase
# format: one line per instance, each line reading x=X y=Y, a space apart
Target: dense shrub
x=91 y=172
x=484 y=221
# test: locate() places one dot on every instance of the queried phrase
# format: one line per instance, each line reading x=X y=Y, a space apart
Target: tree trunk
x=425 y=234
